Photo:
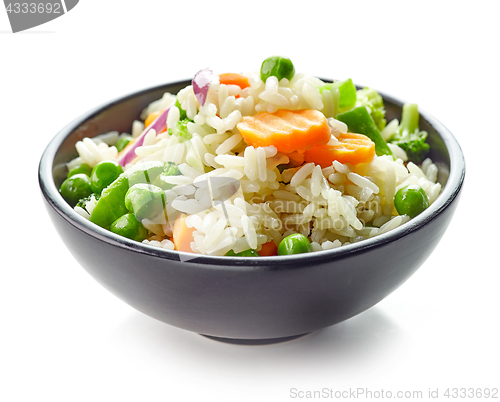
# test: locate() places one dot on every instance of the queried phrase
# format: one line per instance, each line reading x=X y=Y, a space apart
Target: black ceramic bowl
x=249 y=299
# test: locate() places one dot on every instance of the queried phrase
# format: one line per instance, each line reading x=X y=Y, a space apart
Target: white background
x=65 y=338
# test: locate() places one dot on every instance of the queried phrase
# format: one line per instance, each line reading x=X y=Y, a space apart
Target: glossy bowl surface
x=248 y=299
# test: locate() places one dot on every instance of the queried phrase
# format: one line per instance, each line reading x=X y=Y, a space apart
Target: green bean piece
x=128 y=226
x=75 y=188
x=347 y=93
x=359 y=121
x=411 y=200
x=295 y=243
x=111 y=205
x=280 y=67
x=123 y=141
x=145 y=200
x=103 y=174
x=247 y=253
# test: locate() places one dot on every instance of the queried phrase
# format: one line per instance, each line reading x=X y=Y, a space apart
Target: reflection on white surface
x=340 y=351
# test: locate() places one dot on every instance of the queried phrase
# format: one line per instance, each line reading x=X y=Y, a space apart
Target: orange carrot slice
x=296 y=158
x=182 y=236
x=268 y=249
x=151 y=118
x=234 y=79
x=287 y=130
x=352 y=148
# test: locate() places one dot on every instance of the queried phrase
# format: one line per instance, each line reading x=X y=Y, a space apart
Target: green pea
x=123 y=141
x=295 y=243
x=75 y=188
x=80 y=168
x=145 y=200
x=247 y=253
x=411 y=200
x=111 y=204
x=280 y=67
x=128 y=226
x=103 y=174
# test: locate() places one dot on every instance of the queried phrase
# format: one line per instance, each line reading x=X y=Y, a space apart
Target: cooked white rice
x=334 y=206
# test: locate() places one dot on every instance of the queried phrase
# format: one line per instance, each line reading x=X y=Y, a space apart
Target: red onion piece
x=201 y=84
x=128 y=153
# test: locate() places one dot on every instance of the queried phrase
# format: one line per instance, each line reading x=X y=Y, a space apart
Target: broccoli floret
x=181 y=129
x=82 y=203
x=408 y=135
x=182 y=112
x=371 y=99
x=171 y=170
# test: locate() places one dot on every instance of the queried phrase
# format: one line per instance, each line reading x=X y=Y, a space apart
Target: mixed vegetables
x=123 y=199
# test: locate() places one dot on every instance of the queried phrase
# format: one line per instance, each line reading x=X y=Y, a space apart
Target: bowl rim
x=51 y=194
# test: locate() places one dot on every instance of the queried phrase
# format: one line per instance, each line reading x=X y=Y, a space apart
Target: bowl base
x=267 y=341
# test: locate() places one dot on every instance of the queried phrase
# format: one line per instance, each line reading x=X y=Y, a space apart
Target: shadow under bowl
x=246 y=300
